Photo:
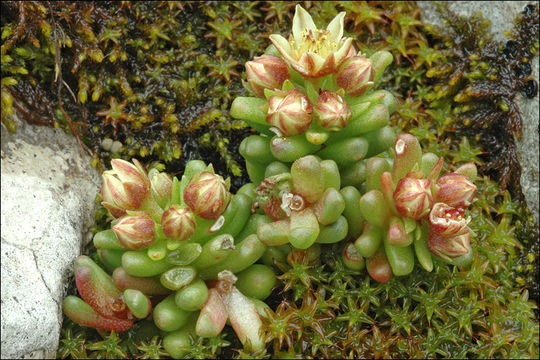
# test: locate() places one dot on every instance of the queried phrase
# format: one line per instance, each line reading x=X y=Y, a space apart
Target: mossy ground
x=155 y=81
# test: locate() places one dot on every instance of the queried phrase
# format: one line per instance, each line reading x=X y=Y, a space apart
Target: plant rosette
x=201 y=235
x=304 y=202
x=314 y=94
x=409 y=210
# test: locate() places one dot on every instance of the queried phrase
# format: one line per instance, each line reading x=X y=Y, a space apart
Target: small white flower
x=314 y=52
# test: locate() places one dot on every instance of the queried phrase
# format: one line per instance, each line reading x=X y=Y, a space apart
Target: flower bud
x=135 y=230
x=412 y=197
x=331 y=111
x=178 y=223
x=266 y=72
x=448 y=247
x=161 y=185
x=455 y=190
x=290 y=112
x=448 y=221
x=207 y=194
x=355 y=75
x=114 y=195
x=125 y=187
x=130 y=173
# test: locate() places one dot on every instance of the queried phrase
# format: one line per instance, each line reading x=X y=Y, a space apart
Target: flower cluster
x=315 y=104
x=175 y=239
x=315 y=84
x=410 y=210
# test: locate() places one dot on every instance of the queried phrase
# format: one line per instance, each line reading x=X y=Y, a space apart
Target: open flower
x=448 y=221
x=314 y=52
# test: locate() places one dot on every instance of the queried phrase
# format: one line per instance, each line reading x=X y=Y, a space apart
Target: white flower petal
x=283 y=46
x=336 y=27
x=301 y=21
x=343 y=51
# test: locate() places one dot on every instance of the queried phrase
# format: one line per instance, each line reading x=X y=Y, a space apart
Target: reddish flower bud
x=378 y=266
x=412 y=197
x=266 y=72
x=130 y=173
x=355 y=75
x=455 y=190
x=448 y=247
x=135 y=230
x=448 y=221
x=161 y=185
x=207 y=194
x=331 y=111
x=114 y=195
x=290 y=112
x=178 y=223
x=125 y=187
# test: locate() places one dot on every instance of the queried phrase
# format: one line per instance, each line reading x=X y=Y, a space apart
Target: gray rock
x=527 y=146
x=48 y=204
x=502 y=14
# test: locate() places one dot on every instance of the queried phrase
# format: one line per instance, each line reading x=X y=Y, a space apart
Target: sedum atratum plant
x=194 y=257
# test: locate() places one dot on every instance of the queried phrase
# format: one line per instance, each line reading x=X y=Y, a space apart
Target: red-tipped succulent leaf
x=98 y=290
x=83 y=314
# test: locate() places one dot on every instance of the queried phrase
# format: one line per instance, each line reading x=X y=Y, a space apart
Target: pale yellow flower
x=314 y=52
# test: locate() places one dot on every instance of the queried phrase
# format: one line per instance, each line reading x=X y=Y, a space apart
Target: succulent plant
x=200 y=237
x=325 y=189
